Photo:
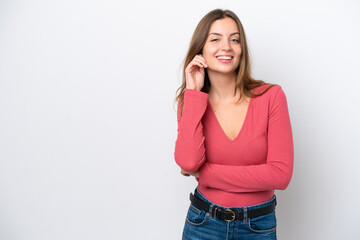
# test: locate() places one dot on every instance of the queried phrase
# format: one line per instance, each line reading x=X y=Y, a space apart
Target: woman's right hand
x=188 y=174
x=195 y=73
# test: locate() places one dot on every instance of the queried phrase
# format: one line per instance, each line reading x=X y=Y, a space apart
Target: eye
x=235 y=40
x=214 y=40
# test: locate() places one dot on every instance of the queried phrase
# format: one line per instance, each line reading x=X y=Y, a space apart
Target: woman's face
x=222 y=49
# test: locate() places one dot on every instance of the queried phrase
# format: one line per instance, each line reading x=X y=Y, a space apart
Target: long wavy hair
x=244 y=81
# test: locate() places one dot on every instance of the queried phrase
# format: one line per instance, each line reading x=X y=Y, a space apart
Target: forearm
x=189 y=146
x=246 y=178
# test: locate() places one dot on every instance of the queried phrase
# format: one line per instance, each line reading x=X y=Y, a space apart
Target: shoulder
x=273 y=90
x=272 y=98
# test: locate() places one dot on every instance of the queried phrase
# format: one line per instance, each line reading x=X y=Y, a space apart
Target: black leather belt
x=228 y=214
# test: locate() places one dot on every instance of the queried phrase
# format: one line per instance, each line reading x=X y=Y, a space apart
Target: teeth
x=226 y=58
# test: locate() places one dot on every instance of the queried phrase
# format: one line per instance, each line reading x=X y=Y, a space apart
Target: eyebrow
x=221 y=34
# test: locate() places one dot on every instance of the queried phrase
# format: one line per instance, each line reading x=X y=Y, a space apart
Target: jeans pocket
x=263 y=224
x=195 y=216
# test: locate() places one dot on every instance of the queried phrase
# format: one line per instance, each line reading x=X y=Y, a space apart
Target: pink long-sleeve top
x=244 y=171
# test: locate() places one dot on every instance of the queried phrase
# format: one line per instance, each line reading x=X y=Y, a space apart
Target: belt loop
x=245 y=214
x=211 y=210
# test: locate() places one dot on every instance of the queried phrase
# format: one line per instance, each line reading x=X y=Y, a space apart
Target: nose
x=225 y=46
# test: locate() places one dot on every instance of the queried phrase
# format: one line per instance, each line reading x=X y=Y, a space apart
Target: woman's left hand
x=187 y=174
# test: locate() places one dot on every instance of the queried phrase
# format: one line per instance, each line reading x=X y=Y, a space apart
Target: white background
x=88 y=122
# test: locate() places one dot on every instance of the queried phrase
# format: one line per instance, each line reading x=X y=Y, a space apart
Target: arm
x=274 y=174
x=189 y=146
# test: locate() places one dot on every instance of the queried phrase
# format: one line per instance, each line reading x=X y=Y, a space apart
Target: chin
x=222 y=70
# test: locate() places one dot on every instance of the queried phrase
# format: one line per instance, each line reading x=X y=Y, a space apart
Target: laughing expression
x=222 y=49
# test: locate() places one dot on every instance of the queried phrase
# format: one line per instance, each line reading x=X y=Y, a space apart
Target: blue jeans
x=199 y=225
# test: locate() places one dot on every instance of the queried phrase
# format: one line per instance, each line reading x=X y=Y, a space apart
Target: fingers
x=184 y=173
x=199 y=61
x=194 y=63
x=187 y=174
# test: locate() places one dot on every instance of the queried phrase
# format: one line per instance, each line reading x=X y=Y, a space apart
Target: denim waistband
x=260 y=205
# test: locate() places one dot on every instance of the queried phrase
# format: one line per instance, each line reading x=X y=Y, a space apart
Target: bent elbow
x=284 y=182
x=190 y=164
x=283 y=185
x=282 y=174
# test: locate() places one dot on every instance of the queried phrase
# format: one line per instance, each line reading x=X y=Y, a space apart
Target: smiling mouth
x=224 y=57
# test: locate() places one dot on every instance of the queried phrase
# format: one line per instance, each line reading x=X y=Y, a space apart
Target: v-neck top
x=246 y=170
x=212 y=112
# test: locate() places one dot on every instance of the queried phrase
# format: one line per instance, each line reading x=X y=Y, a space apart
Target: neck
x=222 y=87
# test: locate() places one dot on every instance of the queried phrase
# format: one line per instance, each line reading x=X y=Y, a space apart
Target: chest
x=236 y=135
x=230 y=117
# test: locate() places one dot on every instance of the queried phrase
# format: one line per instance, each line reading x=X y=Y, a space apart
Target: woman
x=234 y=136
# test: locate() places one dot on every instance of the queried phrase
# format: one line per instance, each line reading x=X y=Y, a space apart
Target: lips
x=224 y=57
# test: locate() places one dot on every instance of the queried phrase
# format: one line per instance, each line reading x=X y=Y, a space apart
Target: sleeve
x=276 y=173
x=189 y=146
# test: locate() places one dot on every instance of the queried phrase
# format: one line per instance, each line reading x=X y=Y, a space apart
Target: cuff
x=192 y=93
x=204 y=174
